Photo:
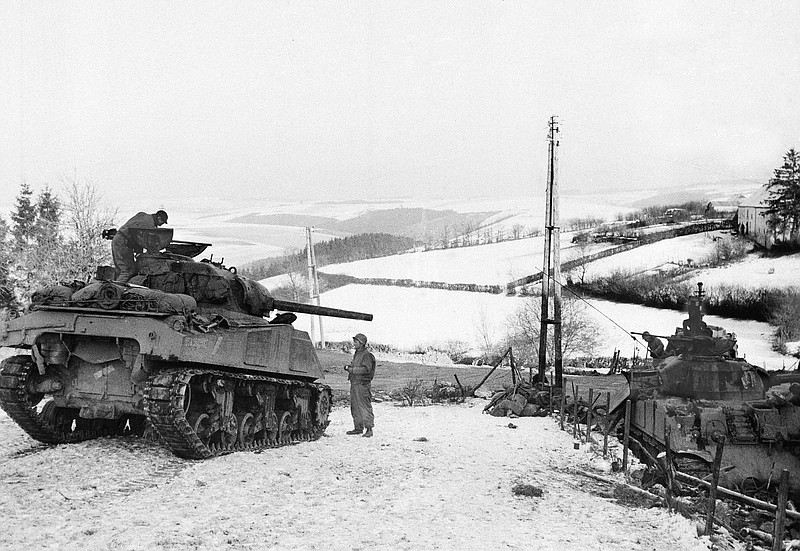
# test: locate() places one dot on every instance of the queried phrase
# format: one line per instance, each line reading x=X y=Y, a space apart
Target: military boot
x=355 y=431
x=368 y=434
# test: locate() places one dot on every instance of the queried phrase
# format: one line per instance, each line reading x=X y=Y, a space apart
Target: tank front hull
x=760 y=441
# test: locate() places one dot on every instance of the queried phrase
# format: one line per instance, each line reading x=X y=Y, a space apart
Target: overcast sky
x=373 y=99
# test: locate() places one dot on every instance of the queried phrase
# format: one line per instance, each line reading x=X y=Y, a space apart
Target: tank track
x=15 y=401
x=164 y=396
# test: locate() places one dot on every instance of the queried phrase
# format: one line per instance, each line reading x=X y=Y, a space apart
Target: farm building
x=752 y=221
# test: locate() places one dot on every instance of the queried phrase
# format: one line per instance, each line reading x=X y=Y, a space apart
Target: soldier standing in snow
x=360 y=373
x=123 y=246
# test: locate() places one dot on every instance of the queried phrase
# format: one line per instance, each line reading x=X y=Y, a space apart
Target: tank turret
x=182 y=352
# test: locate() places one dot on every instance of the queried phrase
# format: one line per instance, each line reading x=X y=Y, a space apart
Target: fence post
x=589 y=417
x=575 y=433
x=626 y=436
x=780 y=514
x=712 y=492
x=605 y=428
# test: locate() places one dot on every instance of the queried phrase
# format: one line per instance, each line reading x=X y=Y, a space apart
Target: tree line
x=335 y=251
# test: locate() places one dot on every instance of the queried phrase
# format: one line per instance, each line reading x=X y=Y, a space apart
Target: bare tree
x=485 y=332
x=294 y=269
x=582 y=247
x=86 y=218
x=579 y=333
x=467 y=231
x=445 y=236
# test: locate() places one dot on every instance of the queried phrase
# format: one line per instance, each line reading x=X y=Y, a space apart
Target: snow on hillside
x=411 y=318
x=494 y=264
x=667 y=253
x=756 y=272
x=207 y=219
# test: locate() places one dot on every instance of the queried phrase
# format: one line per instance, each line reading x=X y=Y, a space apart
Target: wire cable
x=574 y=294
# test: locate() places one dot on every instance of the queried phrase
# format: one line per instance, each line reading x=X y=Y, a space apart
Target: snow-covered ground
x=437 y=477
x=493 y=264
x=689 y=249
x=756 y=272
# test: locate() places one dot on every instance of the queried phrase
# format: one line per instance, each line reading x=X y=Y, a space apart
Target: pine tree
x=48 y=215
x=783 y=212
x=23 y=218
x=7 y=299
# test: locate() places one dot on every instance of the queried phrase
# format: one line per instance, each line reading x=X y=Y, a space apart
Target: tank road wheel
x=247 y=429
x=225 y=438
x=187 y=399
x=323 y=409
x=201 y=425
x=284 y=427
x=271 y=432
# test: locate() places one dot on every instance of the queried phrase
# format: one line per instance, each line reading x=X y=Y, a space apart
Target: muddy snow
x=435 y=477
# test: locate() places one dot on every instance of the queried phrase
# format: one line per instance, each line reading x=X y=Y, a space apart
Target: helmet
x=361 y=337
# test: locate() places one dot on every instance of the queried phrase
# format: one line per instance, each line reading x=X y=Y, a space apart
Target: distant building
x=727 y=207
x=752 y=221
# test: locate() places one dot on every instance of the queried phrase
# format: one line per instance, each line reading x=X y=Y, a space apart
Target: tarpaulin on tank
x=203 y=281
x=103 y=294
x=54 y=294
x=142 y=299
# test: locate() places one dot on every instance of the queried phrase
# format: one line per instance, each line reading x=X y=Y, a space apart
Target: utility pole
x=313 y=286
x=551 y=263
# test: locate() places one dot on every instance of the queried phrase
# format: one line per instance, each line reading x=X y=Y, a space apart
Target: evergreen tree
x=23 y=217
x=7 y=299
x=48 y=215
x=783 y=212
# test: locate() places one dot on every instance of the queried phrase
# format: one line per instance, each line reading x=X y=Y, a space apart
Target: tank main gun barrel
x=319 y=310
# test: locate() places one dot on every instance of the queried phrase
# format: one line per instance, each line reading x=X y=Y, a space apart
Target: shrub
x=413 y=392
x=785 y=315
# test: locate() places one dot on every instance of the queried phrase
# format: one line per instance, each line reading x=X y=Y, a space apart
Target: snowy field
x=755 y=272
x=494 y=264
x=437 y=477
x=411 y=318
x=662 y=254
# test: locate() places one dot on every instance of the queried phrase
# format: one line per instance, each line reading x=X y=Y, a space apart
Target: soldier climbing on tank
x=123 y=246
x=654 y=345
x=360 y=373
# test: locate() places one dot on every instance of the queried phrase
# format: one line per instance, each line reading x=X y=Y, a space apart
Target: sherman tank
x=183 y=351
x=700 y=390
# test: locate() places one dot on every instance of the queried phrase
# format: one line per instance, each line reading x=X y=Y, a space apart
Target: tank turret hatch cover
x=187 y=248
x=151 y=239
